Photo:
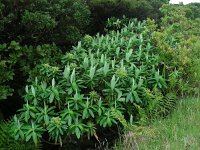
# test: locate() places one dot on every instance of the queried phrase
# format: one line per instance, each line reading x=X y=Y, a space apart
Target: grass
x=180 y=131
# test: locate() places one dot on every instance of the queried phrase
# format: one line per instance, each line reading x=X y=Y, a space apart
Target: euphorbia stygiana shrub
x=102 y=82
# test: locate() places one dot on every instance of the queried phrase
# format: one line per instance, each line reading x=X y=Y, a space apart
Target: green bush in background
x=178 y=43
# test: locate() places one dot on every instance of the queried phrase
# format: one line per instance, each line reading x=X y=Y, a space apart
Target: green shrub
x=103 y=81
x=178 y=44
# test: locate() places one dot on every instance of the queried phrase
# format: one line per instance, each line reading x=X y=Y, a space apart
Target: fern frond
x=164 y=106
x=118 y=115
x=142 y=114
x=168 y=103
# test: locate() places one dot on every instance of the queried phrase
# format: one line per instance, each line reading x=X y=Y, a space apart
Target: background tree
x=26 y=29
x=104 y=9
x=42 y=21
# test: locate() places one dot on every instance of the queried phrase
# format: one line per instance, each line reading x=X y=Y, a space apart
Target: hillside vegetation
x=117 y=81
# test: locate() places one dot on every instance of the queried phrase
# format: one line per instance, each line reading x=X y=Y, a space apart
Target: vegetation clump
x=125 y=76
x=98 y=79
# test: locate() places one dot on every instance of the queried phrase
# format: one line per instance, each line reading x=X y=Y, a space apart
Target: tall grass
x=179 y=131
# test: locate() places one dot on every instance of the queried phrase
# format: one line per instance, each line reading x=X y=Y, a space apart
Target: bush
x=178 y=44
x=103 y=81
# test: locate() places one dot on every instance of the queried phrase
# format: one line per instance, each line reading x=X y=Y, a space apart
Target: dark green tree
x=194 y=10
x=43 y=21
x=104 y=9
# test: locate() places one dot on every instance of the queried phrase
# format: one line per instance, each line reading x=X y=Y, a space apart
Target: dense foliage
x=129 y=75
x=19 y=64
x=16 y=58
x=104 y=9
x=43 y=21
x=178 y=43
x=193 y=11
x=26 y=29
x=103 y=81
x=8 y=142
